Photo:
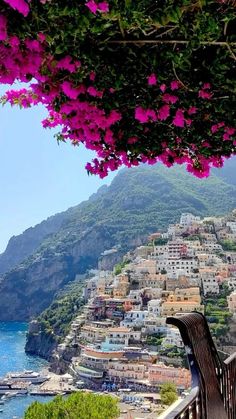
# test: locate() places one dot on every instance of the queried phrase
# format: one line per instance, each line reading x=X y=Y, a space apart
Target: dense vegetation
x=155 y=339
x=228 y=245
x=76 y=406
x=135 y=81
x=56 y=319
x=119 y=266
x=217 y=313
x=168 y=393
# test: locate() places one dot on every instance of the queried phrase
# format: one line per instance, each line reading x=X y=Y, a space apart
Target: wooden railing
x=213 y=394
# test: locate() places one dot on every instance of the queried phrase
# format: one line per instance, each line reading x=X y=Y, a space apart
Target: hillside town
x=121 y=334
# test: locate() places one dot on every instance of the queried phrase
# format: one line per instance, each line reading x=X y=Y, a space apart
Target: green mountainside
x=138 y=201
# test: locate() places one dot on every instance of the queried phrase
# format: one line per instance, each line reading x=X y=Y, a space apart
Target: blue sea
x=13 y=358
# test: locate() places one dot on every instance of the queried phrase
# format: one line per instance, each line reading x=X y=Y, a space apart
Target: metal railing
x=191 y=406
x=229 y=386
x=213 y=394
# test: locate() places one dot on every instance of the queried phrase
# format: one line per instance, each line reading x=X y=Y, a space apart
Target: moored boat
x=28 y=376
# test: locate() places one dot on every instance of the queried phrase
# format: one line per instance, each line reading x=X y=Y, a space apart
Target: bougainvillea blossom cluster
x=80 y=110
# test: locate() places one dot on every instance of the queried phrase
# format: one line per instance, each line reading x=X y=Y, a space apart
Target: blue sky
x=38 y=178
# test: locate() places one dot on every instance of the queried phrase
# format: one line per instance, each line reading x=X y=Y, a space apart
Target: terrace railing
x=213 y=394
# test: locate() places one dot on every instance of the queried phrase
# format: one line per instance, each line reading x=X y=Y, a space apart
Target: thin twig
x=225 y=28
x=221 y=97
x=170 y=41
x=180 y=81
x=231 y=52
x=167 y=31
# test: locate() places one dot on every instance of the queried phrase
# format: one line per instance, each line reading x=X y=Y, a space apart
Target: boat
x=44 y=393
x=28 y=376
x=8 y=388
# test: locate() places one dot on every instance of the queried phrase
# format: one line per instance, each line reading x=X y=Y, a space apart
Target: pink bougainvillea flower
x=132 y=140
x=214 y=128
x=174 y=85
x=92 y=76
x=204 y=95
x=144 y=115
x=206 y=144
x=152 y=79
x=226 y=137
x=164 y=112
x=92 y=6
x=206 y=86
x=103 y=7
x=163 y=87
x=114 y=117
x=198 y=171
x=41 y=37
x=67 y=64
x=141 y=115
x=3 y=28
x=169 y=98
x=20 y=5
x=230 y=131
x=192 y=110
x=179 y=119
x=92 y=91
x=14 y=42
x=69 y=90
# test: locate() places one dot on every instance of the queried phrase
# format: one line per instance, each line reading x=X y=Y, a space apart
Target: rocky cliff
x=138 y=202
x=39 y=342
x=31 y=286
x=22 y=246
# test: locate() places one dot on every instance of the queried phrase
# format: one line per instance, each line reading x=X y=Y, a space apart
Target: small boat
x=28 y=376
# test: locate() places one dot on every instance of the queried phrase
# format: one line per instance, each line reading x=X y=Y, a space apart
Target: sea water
x=14 y=358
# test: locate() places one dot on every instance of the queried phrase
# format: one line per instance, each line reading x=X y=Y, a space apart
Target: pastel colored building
x=160 y=374
x=119 y=371
x=92 y=334
x=169 y=308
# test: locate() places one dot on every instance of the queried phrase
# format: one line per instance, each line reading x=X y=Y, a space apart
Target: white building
x=154 y=325
x=154 y=307
x=212 y=247
x=210 y=285
x=134 y=318
x=172 y=265
x=232 y=226
x=232 y=283
x=187 y=218
x=173 y=337
x=121 y=336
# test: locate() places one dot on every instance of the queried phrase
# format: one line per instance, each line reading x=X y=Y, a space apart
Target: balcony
x=213 y=394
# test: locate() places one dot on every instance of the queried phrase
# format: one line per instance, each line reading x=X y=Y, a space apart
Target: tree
x=77 y=405
x=135 y=81
x=168 y=393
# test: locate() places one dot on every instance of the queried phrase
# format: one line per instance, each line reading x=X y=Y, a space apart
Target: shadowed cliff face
x=139 y=201
x=22 y=246
x=28 y=290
